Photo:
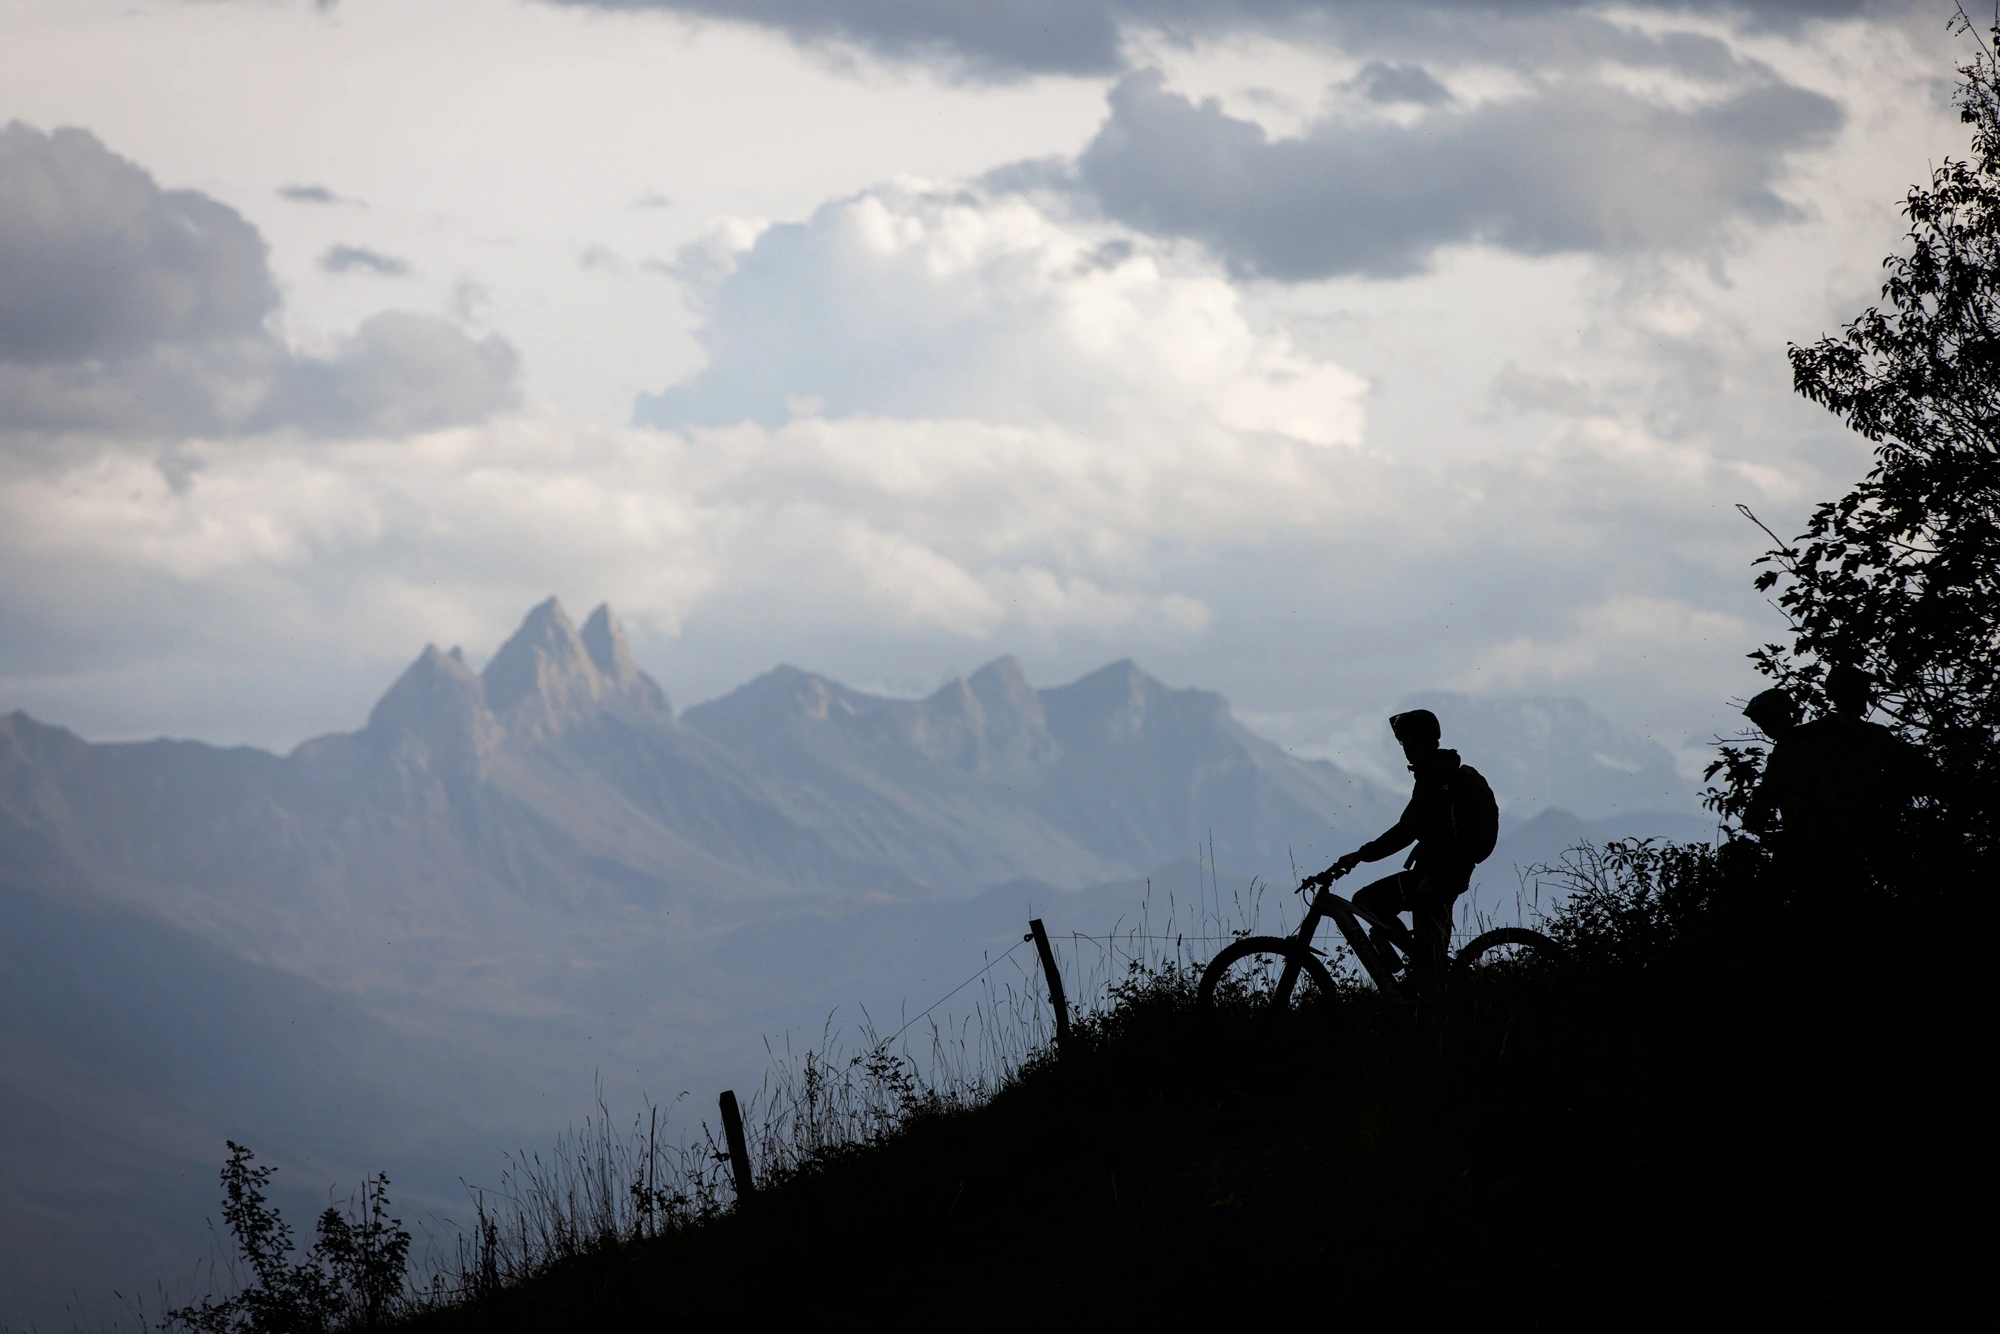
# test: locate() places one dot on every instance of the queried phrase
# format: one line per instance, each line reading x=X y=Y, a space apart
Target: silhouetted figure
x=1452 y=820
x=1836 y=791
x=1776 y=714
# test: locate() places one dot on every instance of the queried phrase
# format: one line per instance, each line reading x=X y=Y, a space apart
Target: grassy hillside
x=1722 y=1100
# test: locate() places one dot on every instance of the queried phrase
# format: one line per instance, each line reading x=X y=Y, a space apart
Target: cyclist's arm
x=1399 y=836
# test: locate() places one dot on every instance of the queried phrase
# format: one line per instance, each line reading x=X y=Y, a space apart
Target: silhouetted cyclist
x=1451 y=818
x=1835 y=792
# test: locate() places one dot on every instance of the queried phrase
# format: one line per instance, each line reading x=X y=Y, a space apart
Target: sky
x=1313 y=351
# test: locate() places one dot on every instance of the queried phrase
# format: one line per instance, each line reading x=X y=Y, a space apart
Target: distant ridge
x=1101 y=779
x=548 y=678
x=1542 y=752
x=555 y=794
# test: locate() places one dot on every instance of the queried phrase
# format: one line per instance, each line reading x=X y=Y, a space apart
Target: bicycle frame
x=1349 y=916
x=1429 y=969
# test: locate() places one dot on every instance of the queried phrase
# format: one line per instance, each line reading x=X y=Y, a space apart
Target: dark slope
x=1738 y=1130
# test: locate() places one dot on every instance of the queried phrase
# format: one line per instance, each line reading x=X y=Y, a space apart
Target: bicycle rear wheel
x=1251 y=970
x=1511 y=939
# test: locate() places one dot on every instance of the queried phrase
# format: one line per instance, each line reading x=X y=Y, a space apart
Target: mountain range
x=510 y=880
x=557 y=785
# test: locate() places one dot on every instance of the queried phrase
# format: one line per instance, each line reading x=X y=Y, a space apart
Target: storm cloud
x=1086 y=36
x=99 y=261
x=130 y=310
x=1578 y=167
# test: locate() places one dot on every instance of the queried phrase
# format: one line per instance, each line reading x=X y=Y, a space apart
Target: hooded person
x=1776 y=714
x=1836 y=792
x=1452 y=820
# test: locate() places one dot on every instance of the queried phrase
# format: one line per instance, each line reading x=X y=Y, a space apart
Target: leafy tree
x=1901 y=576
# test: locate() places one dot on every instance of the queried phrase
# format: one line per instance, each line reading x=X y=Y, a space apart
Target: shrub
x=354 y=1276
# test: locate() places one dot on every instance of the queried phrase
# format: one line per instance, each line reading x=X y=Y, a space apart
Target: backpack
x=1475 y=815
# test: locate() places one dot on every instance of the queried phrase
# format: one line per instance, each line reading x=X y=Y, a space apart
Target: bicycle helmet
x=1418 y=726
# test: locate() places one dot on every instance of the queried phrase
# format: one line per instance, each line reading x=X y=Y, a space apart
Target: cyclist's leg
x=1385 y=898
x=1431 y=900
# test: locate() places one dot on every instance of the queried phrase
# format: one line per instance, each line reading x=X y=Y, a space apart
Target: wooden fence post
x=1056 y=999
x=739 y=1152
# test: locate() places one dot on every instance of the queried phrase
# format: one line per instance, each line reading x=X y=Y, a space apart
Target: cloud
x=1578 y=166
x=1097 y=453
x=940 y=302
x=857 y=543
x=349 y=258
x=1023 y=36
x=1080 y=37
x=1379 y=81
x=601 y=259
x=129 y=311
x=398 y=373
x=312 y=194
x=97 y=261
x=166 y=390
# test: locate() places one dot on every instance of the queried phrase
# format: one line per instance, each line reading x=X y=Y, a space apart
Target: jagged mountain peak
x=433 y=677
x=1113 y=683
x=989 y=721
x=549 y=675
x=439 y=702
x=542 y=678
x=611 y=653
x=1002 y=678
x=780 y=698
x=1122 y=701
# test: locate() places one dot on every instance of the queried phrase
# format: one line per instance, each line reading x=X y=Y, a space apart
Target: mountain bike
x=1294 y=954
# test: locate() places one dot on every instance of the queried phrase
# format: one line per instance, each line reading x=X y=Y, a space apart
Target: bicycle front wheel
x=1252 y=970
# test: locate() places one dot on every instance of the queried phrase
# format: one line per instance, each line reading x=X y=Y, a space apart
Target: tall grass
x=610 y=1182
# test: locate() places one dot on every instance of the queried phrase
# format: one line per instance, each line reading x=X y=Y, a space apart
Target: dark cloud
x=170 y=389
x=1019 y=36
x=97 y=261
x=399 y=372
x=312 y=194
x=1578 y=167
x=1382 y=82
x=128 y=310
x=1083 y=36
x=349 y=258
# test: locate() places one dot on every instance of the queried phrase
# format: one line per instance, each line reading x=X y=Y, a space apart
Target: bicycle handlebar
x=1323 y=878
